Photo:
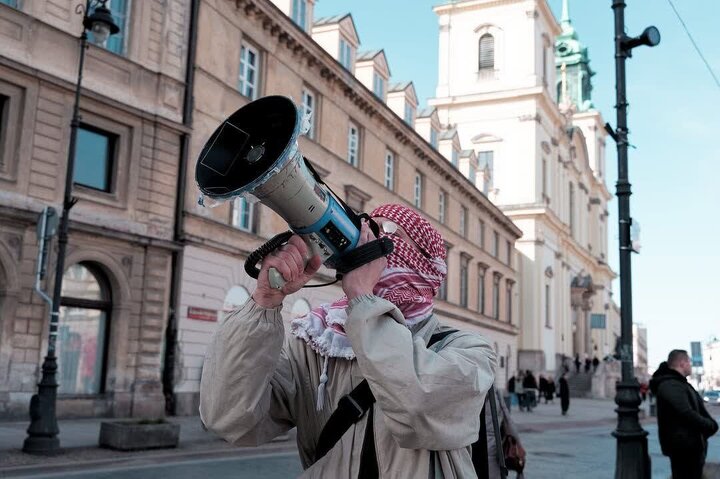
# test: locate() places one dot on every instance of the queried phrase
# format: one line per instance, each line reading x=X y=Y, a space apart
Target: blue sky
x=674 y=121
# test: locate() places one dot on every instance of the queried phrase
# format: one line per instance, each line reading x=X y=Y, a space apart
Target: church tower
x=500 y=83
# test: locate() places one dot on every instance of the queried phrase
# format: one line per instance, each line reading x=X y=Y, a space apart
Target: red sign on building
x=202 y=314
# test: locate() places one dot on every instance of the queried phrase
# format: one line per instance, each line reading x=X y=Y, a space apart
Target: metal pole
x=632 y=460
x=43 y=430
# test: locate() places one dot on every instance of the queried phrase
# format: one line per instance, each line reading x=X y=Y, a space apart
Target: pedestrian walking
x=644 y=391
x=595 y=364
x=588 y=363
x=564 y=394
x=577 y=363
x=542 y=388
x=259 y=381
x=684 y=424
x=550 y=390
x=530 y=386
x=511 y=389
x=520 y=390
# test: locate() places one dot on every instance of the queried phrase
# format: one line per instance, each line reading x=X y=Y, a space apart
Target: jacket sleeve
x=429 y=400
x=675 y=394
x=247 y=381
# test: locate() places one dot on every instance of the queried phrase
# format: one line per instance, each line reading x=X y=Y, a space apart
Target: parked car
x=712 y=397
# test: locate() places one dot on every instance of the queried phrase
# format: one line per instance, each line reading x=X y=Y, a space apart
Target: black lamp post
x=43 y=430
x=632 y=460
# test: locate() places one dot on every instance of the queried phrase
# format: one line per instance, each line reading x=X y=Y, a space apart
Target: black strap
x=480 y=450
x=351 y=408
x=363 y=254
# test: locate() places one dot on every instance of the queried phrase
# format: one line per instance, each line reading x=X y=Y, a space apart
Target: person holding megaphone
x=375 y=385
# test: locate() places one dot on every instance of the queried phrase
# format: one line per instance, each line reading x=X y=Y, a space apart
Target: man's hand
x=289 y=260
x=362 y=280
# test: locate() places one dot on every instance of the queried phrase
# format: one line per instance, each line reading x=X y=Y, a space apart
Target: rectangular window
x=463 y=220
x=496 y=244
x=418 y=190
x=353 y=144
x=508 y=300
x=544 y=178
x=94 y=158
x=309 y=108
x=442 y=291
x=548 y=324
x=389 y=170
x=434 y=138
x=242 y=214
x=4 y=112
x=472 y=176
x=508 y=250
x=442 y=200
x=10 y=3
x=119 y=9
x=571 y=215
x=464 y=281
x=409 y=114
x=481 y=291
x=496 y=296
x=454 y=158
x=249 y=76
x=299 y=13
x=378 y=85
x=346 y=54
x=481 y=235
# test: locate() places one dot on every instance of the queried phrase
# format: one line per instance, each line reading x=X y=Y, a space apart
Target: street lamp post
x=43 y=430
x=632 y=460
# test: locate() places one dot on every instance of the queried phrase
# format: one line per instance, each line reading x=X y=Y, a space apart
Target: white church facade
x=515 y=86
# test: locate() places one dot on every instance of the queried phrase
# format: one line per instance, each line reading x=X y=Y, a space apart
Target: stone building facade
x=117 y=283
x=515 y=86
x=371 y=147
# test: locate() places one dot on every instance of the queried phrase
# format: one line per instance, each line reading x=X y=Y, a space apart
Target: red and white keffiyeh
x=410 y=281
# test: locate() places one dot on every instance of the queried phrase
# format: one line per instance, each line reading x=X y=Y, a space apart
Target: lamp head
x=100 y=22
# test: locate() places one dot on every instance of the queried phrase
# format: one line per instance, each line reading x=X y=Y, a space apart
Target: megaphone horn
x=254 y=152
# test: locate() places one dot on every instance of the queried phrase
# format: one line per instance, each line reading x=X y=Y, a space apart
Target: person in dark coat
x=577 y=363
x=530 y=386
x=588 y=363
x=684 y=424
x=550 y=390
x=543 y=388
x=564 y=394
x=595 y=363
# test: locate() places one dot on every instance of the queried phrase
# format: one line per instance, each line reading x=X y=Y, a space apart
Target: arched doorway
x=83 y=330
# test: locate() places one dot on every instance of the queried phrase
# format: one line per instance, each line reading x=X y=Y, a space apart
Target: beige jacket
x=259 y=382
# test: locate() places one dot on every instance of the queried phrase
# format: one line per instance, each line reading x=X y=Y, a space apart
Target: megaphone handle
x=275 y=278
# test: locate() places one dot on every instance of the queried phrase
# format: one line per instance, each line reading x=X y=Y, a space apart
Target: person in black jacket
x=684 y=424
x=564 y=394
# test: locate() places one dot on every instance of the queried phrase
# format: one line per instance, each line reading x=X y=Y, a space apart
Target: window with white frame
x=496 y=244
x=442 y=205
x=309 y=104
x=409 y=114
x=249 y=76
x=299 y=13
x=544 y=178
x=442 y=291
x=389 y=170
x=548 y=322
x=571 y=201
x=346 y=54
x=486 y=52
x=454 y=158
x=353 y=144
x=508 y=252
x=378 y=85
x=434 y=138
x=463 y=220
x=418 y=190
x=242 y=214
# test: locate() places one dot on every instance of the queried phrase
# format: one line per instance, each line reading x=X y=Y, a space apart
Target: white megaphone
x=255 y=152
